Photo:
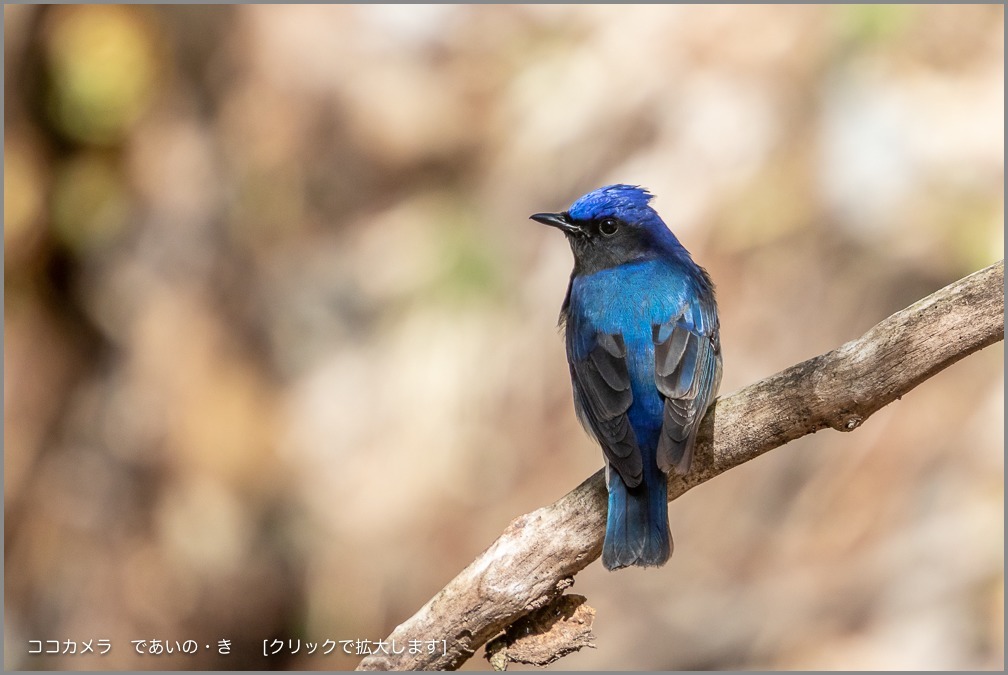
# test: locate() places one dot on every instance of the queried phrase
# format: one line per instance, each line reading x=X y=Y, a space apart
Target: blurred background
x=280 y=344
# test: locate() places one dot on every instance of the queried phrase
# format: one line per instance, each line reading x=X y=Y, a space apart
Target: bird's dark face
x=611 y=226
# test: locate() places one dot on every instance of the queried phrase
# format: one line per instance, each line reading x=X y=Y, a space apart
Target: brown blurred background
x=280 y=343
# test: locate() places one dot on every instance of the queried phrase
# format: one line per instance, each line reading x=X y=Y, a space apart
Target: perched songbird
x=645 y=358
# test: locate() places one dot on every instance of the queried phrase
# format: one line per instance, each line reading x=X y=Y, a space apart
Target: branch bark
x=535 y=559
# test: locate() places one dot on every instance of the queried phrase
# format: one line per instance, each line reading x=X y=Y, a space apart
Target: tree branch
x=537 y=556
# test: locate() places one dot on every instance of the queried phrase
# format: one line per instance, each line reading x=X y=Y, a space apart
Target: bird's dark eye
x=608 y=226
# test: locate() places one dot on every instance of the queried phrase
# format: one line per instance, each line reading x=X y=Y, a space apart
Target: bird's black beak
x=560 y=221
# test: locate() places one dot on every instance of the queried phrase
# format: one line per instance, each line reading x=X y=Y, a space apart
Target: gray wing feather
x=687 y=374
x=602 y=398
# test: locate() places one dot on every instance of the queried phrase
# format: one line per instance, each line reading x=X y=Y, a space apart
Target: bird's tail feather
x=637 y=530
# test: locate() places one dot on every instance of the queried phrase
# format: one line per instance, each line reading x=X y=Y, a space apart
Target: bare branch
x=539 y=553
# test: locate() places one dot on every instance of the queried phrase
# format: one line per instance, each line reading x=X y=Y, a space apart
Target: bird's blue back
x=629 y=300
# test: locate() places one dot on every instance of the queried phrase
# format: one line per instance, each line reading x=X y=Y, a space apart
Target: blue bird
x=641 y=329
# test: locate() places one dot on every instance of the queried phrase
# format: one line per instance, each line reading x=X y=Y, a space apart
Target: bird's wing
x=687 y=373
x=602 y=397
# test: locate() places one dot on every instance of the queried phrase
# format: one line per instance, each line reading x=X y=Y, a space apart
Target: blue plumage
x=641 y=329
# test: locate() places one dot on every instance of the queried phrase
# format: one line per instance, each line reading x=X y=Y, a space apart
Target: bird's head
x=611 y=226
